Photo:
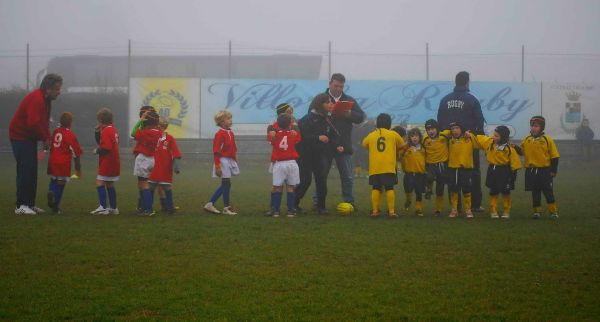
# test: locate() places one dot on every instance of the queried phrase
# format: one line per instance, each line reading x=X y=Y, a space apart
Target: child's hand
x=218 y=172
x=294 y=132
x=272 y=134
x=95 y=151
x=340 y=149
x=323 y=138
x=468 y=134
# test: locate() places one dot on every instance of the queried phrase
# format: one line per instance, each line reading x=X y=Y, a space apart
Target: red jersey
x=109 y=164
x=284 y=145
x=275 y=126
x=64 y=147
x=146 y=141
x=31 y=119
x=166 y=151
x=224 y=145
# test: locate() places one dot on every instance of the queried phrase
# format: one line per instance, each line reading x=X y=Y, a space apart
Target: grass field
x=196 y=266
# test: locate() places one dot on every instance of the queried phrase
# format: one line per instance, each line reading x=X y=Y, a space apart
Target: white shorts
x=286 y=172
x=143 y=165
x=229 y=168
x=109 y=179
x=65 y=179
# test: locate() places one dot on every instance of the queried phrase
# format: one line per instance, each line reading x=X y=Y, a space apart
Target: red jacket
x=32 y=118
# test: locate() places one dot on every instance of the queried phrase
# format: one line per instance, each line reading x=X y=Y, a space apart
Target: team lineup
x=303 y=149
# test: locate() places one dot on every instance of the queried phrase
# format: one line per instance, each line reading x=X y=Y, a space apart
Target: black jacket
x=461 y=106
x=344 y=124
x=311 y=126
x=584 y=133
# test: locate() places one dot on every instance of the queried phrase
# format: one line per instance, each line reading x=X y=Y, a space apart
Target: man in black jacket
x=462 y=107
x=318 y=134
x=343 y=123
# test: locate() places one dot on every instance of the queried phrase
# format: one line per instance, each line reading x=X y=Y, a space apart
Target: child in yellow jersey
x=541 y=166
x=413 y=159
x=460 y=169
x=503 y=162
x=383 y=145
x=436 y=162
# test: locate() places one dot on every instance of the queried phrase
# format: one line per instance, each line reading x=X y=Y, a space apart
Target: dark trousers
x=312 y=164
x=25 y=153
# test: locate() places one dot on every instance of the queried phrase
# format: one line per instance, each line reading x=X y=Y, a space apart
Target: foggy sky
x=451 y=27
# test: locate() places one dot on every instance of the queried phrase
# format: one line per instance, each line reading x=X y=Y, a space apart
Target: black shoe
x=322 y=211
x=480 y=209
x=299 y=210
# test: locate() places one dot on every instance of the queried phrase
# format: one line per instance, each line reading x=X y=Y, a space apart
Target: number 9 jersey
x=383 y=146
x=63 y=148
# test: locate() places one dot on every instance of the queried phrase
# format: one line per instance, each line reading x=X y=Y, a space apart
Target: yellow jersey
x=538 y=151
x=460 y=152
x=436 y=150
x=503 y=154
x=383 y=146
x=413 y=160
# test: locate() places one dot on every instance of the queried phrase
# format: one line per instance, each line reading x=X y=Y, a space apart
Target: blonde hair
x=163 y=122
x=105 y=116
x=221 y=116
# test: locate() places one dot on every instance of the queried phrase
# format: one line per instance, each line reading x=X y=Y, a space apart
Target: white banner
x=565 y=105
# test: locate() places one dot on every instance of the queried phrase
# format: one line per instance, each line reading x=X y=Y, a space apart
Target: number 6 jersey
x=383 y=146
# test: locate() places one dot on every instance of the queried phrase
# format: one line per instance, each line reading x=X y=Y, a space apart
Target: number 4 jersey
x=64 y=148
x=284 y=145
x=383 y=146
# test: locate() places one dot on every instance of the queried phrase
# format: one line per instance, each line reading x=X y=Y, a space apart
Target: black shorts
x=436 y=171
x=414 y=182
x=460 y=179
x=500 y=179
x=538 y=179
x=383 y=180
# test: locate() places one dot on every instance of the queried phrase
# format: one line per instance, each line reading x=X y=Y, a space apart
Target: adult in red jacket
x=29 y=125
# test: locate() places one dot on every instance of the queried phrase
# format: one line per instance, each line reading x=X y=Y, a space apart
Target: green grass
x=196 y=266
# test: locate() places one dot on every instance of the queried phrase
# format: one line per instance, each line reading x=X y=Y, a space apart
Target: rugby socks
x=59 y=189
x=552 y=208
x=275 y=200
x=226 y=184
x=390 y=198
x=101 y=196
x=112 y=197
x=494 y=203
x=147 y=200
x=538 y=210
x=439 y=203
x=506 y=203
x=419 y=205
x=375 y=199
x=454 y=200
x=291 y=200
x=216 y=195
x=140 y=198
x=168 y=199
x=467 y=201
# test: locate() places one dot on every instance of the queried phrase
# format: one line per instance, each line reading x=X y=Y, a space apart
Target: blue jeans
x=25 y=152
x=345 y=166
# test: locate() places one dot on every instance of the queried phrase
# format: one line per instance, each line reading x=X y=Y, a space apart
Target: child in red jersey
x=146 y=133
x=64 y=147
x=285 y=168
x=225 y=165
x=109 y=167
x=166 y=161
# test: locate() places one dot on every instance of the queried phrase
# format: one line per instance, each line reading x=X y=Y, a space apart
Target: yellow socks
x=375 y=199
x=538 y=209
x=506 y=203
x=439 y=203
x=390 y=197
x=552 y=208
x=494 y=203
x=467 y=197
x=454 y=200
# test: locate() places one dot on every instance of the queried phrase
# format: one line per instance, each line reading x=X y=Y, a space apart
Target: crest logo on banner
x=176 y=98
x=572 y=115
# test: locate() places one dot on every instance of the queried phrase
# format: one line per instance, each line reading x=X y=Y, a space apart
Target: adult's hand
x=323 y=138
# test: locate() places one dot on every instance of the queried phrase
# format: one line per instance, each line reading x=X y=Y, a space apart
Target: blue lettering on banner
x=412 y=102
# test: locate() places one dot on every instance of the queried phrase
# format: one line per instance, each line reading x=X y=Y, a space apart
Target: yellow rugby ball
x=344 y=208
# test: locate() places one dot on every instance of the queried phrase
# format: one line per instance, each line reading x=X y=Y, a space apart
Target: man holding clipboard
x=345 y=114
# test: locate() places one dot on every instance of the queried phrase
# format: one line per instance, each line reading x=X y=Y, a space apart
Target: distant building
x=109 y=73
